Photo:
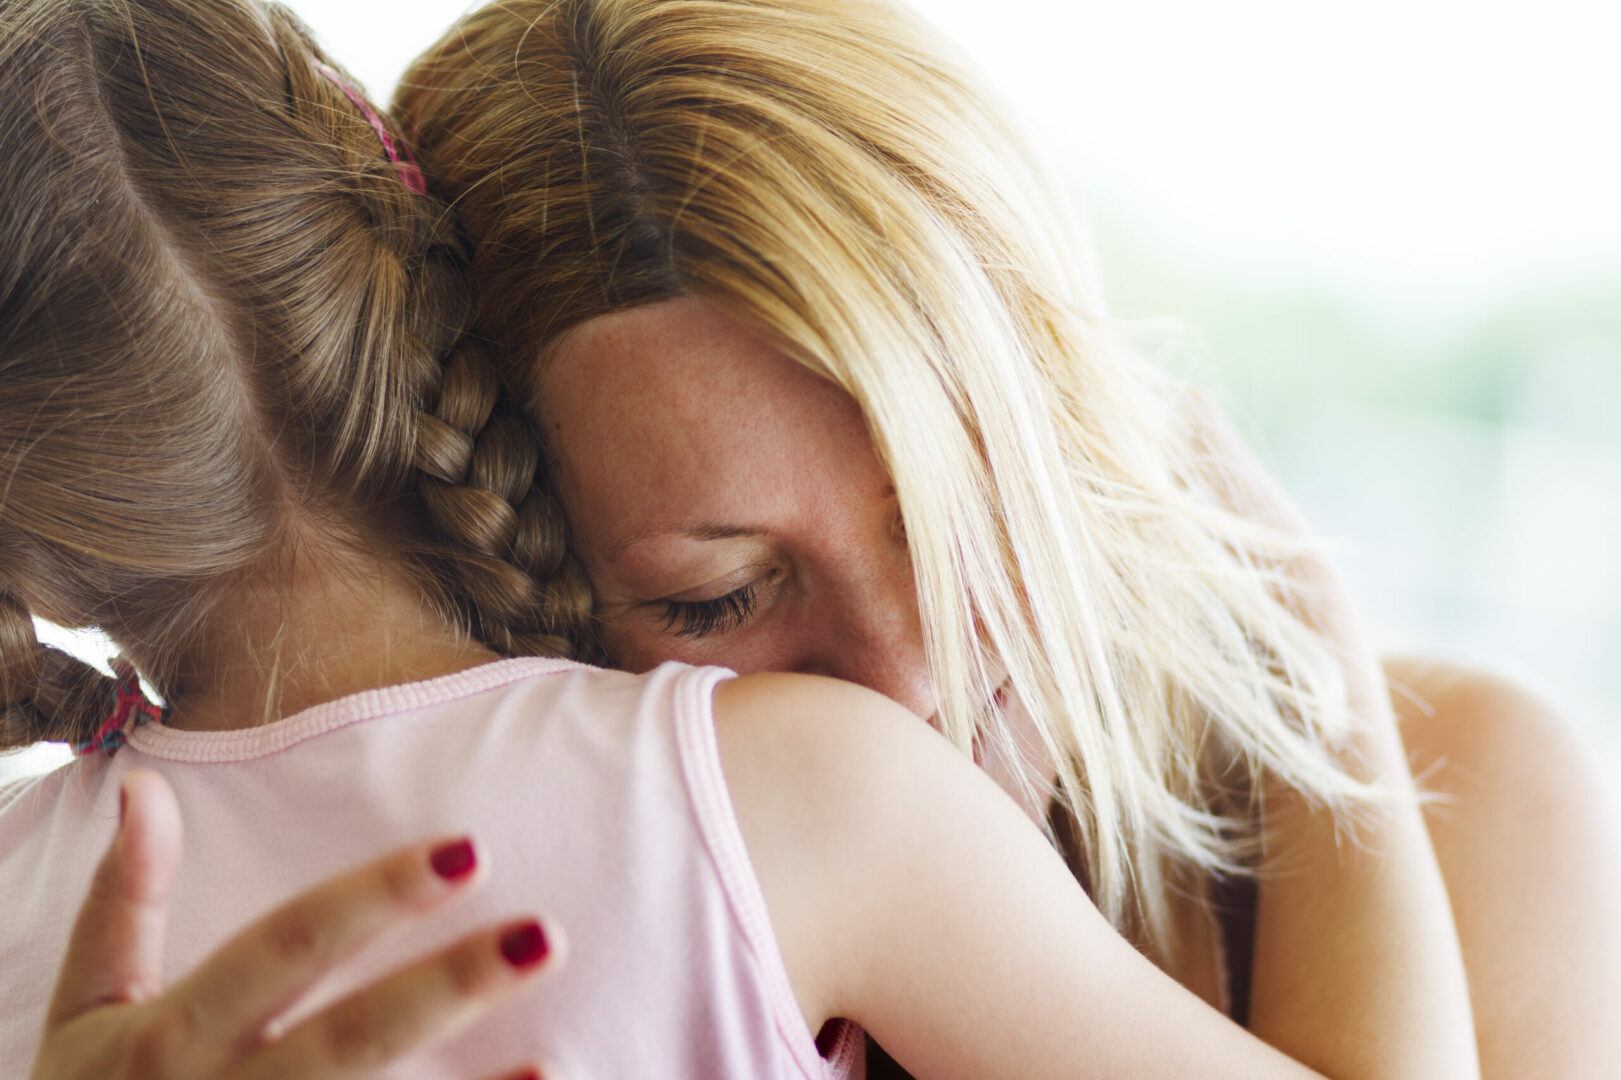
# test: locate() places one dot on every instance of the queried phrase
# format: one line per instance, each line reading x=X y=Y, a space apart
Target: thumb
x=116 y=951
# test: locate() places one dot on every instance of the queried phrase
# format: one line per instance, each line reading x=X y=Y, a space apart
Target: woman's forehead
x=676 y=409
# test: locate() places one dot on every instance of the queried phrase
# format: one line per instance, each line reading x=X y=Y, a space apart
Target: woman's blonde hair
x=821 y=170
x=224 y=316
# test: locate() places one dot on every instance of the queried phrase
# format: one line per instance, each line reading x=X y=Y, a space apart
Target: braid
x=505 y=541
x=500 y=542
x=45 y=694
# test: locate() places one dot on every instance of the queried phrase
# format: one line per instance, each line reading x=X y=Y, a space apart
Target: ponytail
x=45 y=694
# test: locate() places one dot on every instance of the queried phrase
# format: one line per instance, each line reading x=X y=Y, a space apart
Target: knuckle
x=467 y=970
x=189 y=1018
x=107 y=889
x=351 y=1037
x=295 y=935
x=154 y=1046
x=400 y=880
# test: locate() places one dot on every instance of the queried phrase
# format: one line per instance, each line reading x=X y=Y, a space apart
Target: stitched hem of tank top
x=694 y=702
x=245 y=744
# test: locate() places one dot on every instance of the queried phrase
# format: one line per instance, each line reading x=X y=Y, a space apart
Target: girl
x=232 y=336
x=822 y=391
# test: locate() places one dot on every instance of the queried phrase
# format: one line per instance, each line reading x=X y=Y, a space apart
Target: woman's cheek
x=634 y=650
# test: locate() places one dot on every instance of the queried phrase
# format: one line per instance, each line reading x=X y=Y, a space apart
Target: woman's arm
x=1357 y=967
x=910 y=895
x=1357 y=963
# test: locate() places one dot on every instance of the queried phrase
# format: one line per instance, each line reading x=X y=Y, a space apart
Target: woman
x=821 y=391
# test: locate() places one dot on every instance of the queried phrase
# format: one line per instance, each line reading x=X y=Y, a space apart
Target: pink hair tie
x=130 y=710
x=400 y=154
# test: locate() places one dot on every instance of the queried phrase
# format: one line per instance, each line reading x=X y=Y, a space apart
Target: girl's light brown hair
x=825 y=172
x=224 y=316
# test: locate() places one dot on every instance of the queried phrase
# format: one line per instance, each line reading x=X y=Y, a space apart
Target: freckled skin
x=672 y=415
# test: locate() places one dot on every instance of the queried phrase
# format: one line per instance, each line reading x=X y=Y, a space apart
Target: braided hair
x=224 y=308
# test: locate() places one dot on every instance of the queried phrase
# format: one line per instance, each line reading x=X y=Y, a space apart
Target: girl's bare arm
x=911 y=895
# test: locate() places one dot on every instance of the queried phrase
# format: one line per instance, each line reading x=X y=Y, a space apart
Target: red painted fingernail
x=455 y=860
x=524 y=945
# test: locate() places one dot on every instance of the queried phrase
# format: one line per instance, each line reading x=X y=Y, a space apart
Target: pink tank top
x=597 y=796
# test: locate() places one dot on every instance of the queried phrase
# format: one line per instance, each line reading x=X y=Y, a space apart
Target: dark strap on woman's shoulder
x=1234 y=901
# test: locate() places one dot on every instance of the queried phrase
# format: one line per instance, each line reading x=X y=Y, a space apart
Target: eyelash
x=699 y=618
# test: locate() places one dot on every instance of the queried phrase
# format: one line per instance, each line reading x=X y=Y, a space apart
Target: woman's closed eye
x=722 y=614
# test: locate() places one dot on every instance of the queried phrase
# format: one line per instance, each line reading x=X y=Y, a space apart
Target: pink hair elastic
x=400 y=154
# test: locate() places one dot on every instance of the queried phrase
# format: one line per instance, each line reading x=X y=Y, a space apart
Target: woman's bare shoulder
x=1449 y=710
x=1527 y=830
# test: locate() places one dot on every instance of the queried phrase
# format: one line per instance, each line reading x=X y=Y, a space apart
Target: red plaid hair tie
x=131 y=708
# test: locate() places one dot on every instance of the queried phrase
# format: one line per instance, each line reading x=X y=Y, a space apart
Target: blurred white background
x=1387 y=235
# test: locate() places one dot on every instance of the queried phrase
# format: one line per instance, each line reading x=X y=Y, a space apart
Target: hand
x=110 y=1018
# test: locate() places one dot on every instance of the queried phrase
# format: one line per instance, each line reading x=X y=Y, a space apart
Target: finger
x=263 y=969
x=116 y=951
x=412 y=1008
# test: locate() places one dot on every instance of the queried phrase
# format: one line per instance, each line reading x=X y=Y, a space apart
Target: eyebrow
x=693 y=531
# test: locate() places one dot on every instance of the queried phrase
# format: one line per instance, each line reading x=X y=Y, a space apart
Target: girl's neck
x=319 y=630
